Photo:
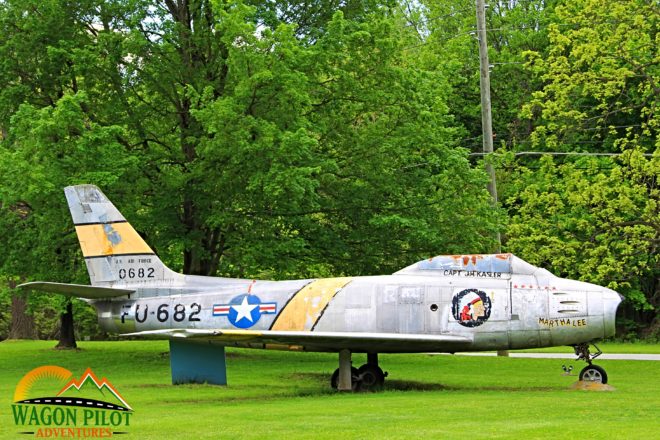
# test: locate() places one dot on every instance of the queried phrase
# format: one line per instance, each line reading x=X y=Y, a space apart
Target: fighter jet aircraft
x=449 y=303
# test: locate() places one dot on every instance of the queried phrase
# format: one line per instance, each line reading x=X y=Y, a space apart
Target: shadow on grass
x=414 y=385
x=314 y=384
x=409 y=385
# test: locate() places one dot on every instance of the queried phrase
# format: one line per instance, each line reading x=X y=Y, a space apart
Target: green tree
x=601 y=76
x=47 y=149
x=448 y=43
x=36 y=74
x=599 y=96
x=363 y=155
x=236 y=144
x=595 y=219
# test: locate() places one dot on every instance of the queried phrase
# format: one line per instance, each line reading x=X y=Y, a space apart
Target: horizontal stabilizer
x=330 y=341
x=76 y=290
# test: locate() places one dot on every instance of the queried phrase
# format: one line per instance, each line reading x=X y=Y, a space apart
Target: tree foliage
x=449 y=44
x=599 y=73
x=593 y=219
x=288 y=139
x=240 y=138
x=566 y=77
x=600 y=77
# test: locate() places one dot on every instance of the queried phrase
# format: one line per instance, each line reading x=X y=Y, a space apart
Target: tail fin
x=114 y=252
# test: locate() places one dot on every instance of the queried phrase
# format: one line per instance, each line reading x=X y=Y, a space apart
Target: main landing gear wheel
x=593 y=373
x=371 y=377
x=355 y=379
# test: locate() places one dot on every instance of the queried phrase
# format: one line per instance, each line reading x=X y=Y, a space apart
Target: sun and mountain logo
x=50 y=402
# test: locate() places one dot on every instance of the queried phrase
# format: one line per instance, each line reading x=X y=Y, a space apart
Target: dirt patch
x=588 y=385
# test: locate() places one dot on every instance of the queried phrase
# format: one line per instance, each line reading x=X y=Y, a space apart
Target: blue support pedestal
x=197 y=362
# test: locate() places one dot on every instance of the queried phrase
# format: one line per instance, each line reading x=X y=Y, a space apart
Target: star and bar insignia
x=245 y=310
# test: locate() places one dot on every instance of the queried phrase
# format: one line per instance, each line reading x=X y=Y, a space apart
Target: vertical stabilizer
x=114 y=252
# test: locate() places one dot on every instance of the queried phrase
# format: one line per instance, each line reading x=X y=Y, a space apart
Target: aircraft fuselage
x=495 y=313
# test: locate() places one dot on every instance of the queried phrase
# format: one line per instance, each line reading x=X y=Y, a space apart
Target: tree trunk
x=22 y=324
x=67 y=336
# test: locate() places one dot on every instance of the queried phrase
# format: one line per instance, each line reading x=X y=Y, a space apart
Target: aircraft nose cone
x=611 y=295
x=611 y=301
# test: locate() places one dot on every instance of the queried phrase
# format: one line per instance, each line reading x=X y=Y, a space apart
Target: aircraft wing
x=318 y=341
x=76 y=290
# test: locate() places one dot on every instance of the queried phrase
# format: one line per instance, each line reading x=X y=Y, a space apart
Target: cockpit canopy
x=488 y=265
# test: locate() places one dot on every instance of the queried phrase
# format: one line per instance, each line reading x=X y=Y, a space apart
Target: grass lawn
x=286 y=395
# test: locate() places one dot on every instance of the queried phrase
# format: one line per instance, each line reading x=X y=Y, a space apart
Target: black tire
x=593 y=373
x=334 y=379
x=371 y=377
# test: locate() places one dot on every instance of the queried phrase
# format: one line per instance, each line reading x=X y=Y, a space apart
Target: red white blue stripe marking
x=244 y=310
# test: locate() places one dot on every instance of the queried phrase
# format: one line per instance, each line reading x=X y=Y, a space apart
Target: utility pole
x=486 y=115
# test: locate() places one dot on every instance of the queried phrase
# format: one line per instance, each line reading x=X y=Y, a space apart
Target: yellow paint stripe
x=306 y=306
x=110 y=239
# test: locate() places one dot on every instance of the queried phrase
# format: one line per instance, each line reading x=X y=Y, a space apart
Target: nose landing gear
x=590 y=373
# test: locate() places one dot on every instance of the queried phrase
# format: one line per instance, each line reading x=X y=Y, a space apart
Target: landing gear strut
x=591 y=372
x=369 y=377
